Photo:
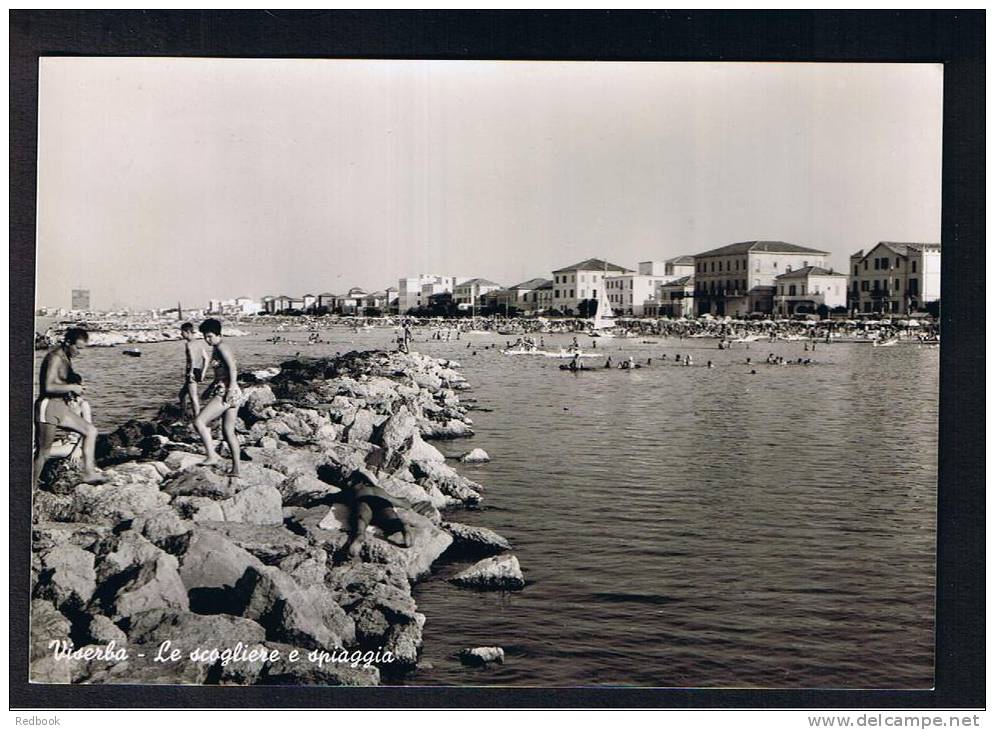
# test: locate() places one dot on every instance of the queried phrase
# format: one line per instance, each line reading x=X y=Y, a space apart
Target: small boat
x=535 y=351
x=885 y=343
x=133 y=352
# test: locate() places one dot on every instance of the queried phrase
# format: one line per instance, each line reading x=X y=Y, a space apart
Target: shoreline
x=170 y=551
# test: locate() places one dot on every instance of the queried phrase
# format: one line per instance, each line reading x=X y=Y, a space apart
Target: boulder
x=421 y=450
x=210 y=568
x=469 y=540
x=46 y=535
x=164 y=529
x=47 y=625
x=101 y=631
x=398 y=431
x=482 y=655
x=181 y=460
x=258 y=504
x=138 y=577
x=111 y=503
x=300 y=616
x=404 y=641
x=200 y=482
x=49 y=507
x=362 y=426
x=67 y=576
x=447 y=429
x=305 y=490
x=501 y=572
x=270 y=544
x=475 y=456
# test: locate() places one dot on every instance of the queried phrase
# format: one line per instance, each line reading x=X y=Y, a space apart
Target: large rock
x=165 y=529
x=259 y=504
x=448 y=481
x=137 y=577
x=398 y=431
x=306 y=490
x=181 y=460
x=428 y=542
x=110 y=503
x=269 y=543
x=46 y=535
x=47 y=625
x=501 y=572
x=210 y=568
x=469 y=540
x=301 y=616
x=67 y=576
x=200 y=482
x=482 y=655
x=49 y=507
x=475 y=456
x=362 y=426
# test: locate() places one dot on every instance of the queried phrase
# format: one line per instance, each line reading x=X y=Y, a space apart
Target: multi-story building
x=738 y=279
x=673 y=298
x=414 y=291
x=582 y=281
x=326 y=301
x=805 y=290
x=895 y=278
x=521 y=297
x=275 y=305
x=627 y=293
x=467 y=293
x=679 y=267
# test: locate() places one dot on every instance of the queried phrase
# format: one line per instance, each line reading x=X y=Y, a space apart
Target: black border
x=954 y=38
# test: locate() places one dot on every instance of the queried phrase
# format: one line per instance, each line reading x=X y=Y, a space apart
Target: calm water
x=677 y=526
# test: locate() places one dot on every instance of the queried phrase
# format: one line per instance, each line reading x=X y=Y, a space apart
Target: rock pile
x=246 y=581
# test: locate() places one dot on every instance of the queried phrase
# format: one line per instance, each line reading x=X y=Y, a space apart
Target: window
x=913 y=267
x=556 y=293
x=573 y=278
x=865 y=285
x=780 y=289
x=737 y=264
x=803 y=290
x=787 y=269
x=571 y=293
x=856 y=270
x=713 y=266
x=720 y=266
x=582 y=277
x=867 y=306
x=792 y=290
x=865 y=264
x=884 y=263
x=914 y=287
x=775 y=264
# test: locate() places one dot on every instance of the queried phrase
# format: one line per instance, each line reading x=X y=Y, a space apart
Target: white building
x=628 y=293
x=895 y=278
x=678 y=267
x=738 y=279
x=805 y=290
x=468 y=292
x=673 y=298
x=414 y=291
x=584 y=280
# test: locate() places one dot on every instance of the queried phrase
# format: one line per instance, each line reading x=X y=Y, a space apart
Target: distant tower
x=81 y=299
x=179 y=311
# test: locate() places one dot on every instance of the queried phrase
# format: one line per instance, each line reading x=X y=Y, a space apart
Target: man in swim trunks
x=58 y=387
x=196 y=365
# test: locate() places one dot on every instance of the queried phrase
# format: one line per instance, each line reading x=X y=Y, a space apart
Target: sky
x=165 y=180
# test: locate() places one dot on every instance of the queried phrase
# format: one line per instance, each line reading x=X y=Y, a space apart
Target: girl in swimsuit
x=222 y=398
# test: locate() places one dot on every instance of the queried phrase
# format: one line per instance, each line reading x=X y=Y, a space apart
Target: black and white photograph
x=406 y=372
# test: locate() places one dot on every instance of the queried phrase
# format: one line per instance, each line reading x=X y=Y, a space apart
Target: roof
x=680 y=260
x=683 y=281
x=547 y=285
x=479 y=282
x=809 y=271
x=905 y=247
x=326 y=294
x=760 y=247
x=531 y=283
x=592 y=265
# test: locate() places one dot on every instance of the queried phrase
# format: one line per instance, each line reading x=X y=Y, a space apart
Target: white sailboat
x=604 y=318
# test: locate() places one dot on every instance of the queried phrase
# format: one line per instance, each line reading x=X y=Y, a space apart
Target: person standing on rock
x=196 y=364
x=221 y=399
x=60 y=406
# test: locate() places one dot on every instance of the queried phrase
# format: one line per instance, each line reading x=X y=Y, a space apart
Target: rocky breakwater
x=175 y=573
